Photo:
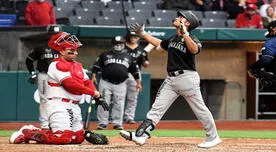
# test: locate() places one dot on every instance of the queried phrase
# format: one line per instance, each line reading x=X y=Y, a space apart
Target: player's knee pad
x=145 y=127
x=78 y=137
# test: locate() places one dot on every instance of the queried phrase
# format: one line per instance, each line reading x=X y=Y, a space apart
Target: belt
x=66 y=100
x=53 y=84
x=113 y=82
x=175 y=73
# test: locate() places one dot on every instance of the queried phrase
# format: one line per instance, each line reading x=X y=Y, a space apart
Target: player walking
x=182 y=80
x=67 y=81
x=141 y=58
x=115 y=66
x=43 y=55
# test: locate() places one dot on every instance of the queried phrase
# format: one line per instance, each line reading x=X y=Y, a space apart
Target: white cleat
x=209 y=144
x=131 y=136
x=18 y=137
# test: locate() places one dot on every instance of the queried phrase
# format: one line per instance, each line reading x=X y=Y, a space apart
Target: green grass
x=188 y=133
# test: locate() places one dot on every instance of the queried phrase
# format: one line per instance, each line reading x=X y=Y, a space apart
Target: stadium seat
x=112 y=13
x=67 y=4
x=107 y=21
x=231 y=23
x=118 y=5
x=144 y=5
x=96 y=5
x=139 y=14
x=87 y=12
x=131 y=20
x=8 y=19
x=209 y=22
x=157 y=21
x=216 y=14
x=165 y=14
x=81 y=20
x=63 y=12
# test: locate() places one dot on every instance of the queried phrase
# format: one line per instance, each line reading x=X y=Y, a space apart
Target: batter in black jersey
x=115 y=66
x=43 y=55
x=182 y=80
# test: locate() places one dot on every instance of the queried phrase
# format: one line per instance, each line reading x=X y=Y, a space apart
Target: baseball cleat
x=18 y=137
x=131 y=136
x=209 y=144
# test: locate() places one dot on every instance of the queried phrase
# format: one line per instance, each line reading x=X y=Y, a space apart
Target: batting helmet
x=63 y=40
x=118 y=43
x=270 y=26
x=54 y=29
x=191 y=17
x=118 y=39
x=130 y=34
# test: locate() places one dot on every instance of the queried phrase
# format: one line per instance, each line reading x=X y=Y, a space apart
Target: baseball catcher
x=67 y=81
x=267 y=62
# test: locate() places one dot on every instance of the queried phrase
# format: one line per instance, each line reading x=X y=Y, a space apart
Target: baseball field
x=237 y=136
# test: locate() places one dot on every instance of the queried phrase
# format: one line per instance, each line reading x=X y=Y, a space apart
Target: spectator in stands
x=234 y=7
x=201 y=5
x=40 y=12
x=271 y=16
x=250 y=18
x=178 y=4
x=265 y=6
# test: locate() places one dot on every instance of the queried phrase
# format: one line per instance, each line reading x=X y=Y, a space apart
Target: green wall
x=17 y=102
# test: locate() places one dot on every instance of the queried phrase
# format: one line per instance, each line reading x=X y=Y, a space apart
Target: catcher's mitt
x=94 y=138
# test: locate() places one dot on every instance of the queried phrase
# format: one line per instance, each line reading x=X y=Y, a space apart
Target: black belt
x=175 y=73
x=113 y=82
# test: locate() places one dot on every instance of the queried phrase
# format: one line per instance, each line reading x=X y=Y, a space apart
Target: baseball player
x=267 y=60
x=115 y=66
x=182 y=80
x=43 y=55
x=67 y=81
x=141 y=58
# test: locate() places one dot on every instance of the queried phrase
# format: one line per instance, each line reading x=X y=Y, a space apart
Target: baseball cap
x=251 y=6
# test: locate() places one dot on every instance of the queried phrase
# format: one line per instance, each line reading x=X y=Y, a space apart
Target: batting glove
x=102 y=102
x=137 y=28
x=33 y=77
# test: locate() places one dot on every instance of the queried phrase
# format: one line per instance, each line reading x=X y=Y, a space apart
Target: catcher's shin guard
x=145 y=127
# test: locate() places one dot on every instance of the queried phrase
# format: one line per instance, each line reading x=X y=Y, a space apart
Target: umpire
x=267 y=61
x=115 y=66
x=43 y=55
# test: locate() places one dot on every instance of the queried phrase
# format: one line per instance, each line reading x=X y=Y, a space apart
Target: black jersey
x=138 y=55
x=179 y=57
x=115 y=66
x=43 y=55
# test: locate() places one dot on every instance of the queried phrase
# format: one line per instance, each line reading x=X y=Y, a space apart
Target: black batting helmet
x=118 y=39
x=54 y=29
x=270 y=26
x=130 y=34
x=191 y=17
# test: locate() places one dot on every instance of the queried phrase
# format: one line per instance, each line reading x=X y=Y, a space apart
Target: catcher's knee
x=78 y=137
x=145 y=127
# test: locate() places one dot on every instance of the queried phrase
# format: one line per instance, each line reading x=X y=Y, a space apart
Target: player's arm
x=134 y=70
x=96 y=68
x=28 y=15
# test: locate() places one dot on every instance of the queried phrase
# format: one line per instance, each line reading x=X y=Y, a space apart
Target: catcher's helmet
x=191 y=17
x=63 y=40
x=54 y=29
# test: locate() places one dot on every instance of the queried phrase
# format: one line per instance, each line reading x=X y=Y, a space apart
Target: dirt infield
x=159 y=144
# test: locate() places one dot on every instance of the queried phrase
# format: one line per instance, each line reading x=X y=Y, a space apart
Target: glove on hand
x=137 y=28
x=33 y=77
x=94 y=138
x=102 y=102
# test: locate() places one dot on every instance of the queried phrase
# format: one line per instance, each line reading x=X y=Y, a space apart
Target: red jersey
x=242 y=21
x=37 y=13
